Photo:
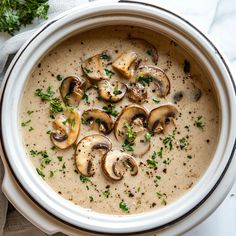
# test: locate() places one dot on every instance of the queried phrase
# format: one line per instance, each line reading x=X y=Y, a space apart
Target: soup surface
x=120 y=120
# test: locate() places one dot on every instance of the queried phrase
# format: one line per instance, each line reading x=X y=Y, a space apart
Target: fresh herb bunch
x=15 y=13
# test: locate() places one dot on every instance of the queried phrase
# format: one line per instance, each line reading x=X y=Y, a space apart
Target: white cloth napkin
x=216 y=17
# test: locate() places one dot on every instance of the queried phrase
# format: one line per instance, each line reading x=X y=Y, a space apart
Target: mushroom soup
x=120 y=120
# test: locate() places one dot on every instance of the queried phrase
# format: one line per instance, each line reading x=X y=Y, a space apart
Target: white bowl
x=143 y=15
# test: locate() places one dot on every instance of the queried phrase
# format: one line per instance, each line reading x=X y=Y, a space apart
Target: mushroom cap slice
x=124 y=62
x=141 y=144
x=127 y=116
x=88 y=148
x=94 y=67
x=98 y=120
x=161 y=116
x=158 y=76
x=71 y=90
x=67 y=129
x=111 y=92
x=147 y=47
x=137 y=93
x=114 y=164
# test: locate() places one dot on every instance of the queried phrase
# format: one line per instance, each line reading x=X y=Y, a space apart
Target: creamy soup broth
x=178 y=156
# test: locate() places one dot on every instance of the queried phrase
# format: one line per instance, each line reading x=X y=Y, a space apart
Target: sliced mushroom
x=111 y=92
x=158 y=76
x=124 y=62
x=71 y=90
x=161 y=116
x=141 y=143
x=114 y=164
x=149 y=48
x=137 y=93
x=128 y=115
x=196 y=94
x=178 y=97
x=95 y=67
x=98 y=120
x=67 y=129
x=88 y=148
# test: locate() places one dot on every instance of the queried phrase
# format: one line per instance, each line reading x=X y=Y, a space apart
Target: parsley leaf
x=199 y=123
x=130 y=134
x=156 y=100
x=23 y=124
x=123 y=206
x=45 y=96
x=15 y=13
x=152 y=163
x=109 y=73
x=84 y=179
x=145 y=79
x=183 y=144
x=40 y=172
x=55 y=106
x=59 y=77
x=110 y=109
x=127 y=146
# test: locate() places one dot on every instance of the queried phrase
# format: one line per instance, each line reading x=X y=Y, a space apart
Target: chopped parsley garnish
x=160 y=152
x=59 y=78
x=130 y=134
x=30 y=129
x=183 y=144
x=45 y=96
x=87 y=70
x=189 y=157
x=60 y=158
x=123 y=206
x=33 y=153
x=64 y=166
x=163 y=202
x=85 y=97
x=108 y=73
x=167 y=161
x=98 y=121
x=91 y=199
x=149 y=52
x=187 y=66
x=152 y=163
x=15 y=13
x=104 y=56
x=110 y=109
x=157 y=179
x=106 y=193
x=127 y=146
x=40 y=172
x=116 y=90
x=84 y=179
x=23 y=124
x=145 y=79
x=156 y=100
x=199 y=123
x=30 y=112
x=51 y=174
x=168 y=141
x=148 y=136
x=55 y=106
x=45 y=157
